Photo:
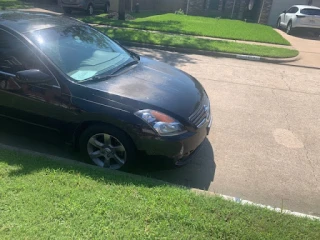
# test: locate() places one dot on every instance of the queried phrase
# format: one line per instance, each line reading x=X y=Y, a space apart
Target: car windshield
x=311 y=11
x=80 y=51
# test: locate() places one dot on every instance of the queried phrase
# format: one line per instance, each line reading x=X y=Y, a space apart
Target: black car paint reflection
x=71 y=106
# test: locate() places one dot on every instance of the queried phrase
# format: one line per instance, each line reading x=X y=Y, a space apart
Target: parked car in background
x=87 y=5
x=300 y=17
x=63 y=75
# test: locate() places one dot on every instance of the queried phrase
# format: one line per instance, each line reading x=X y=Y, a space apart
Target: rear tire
x=289 y=28
x=108 y=147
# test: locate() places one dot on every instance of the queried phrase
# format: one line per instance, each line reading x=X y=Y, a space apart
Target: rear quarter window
x=310 y=11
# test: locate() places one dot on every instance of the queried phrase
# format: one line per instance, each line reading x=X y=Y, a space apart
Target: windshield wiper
x=134 y=62
x=96 y=78
x=106 y=76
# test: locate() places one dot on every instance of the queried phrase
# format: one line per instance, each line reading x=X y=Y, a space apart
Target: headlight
x=161 y=123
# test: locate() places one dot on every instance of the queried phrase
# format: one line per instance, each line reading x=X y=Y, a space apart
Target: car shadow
x=198 y=173
x=306 y=35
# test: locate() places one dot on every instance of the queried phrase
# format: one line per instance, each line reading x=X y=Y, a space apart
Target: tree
x=122 y=10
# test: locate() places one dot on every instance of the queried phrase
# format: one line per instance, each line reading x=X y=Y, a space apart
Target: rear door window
x=293 y=10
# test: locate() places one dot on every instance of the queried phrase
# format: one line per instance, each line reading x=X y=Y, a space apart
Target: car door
x=5 y=80
x=39 y=104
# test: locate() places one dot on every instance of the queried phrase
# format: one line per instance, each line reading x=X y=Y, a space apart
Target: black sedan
x=63 y=75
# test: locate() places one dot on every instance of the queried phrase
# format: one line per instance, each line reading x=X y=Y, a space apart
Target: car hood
x=154 y=85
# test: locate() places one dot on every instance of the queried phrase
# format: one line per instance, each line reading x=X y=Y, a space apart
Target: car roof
x=306 y=6
x=26 y=21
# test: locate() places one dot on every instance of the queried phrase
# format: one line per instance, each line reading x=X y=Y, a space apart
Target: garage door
x=278 y=6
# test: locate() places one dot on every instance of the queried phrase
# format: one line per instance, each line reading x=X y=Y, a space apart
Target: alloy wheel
x=106 y=151
x=289 y=28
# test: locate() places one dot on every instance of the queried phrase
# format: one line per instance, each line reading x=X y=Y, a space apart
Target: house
x=260 y=11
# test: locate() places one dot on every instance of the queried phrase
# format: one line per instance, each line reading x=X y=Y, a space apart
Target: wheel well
x=83 y=126
x=279 y=21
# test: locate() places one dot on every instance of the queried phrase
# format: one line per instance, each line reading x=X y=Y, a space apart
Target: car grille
x=199 y=117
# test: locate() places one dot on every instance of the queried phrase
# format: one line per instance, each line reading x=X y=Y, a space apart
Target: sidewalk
x=309 y=48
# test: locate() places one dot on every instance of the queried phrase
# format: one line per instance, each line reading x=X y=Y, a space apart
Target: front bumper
x=175 y=147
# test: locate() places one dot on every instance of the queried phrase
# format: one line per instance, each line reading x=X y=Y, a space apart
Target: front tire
x=107 y=147
x=289 y=28
x=279 y=23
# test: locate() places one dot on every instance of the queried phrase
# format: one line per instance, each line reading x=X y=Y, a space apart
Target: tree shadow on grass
x=27 y=163
x=166 y=25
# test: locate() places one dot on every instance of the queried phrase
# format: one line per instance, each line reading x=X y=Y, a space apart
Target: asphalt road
x=264 y=144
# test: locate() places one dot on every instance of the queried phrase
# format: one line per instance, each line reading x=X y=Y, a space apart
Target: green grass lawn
x=12 y=4
x=46 y=199
x=196 y=43
x=202 y=26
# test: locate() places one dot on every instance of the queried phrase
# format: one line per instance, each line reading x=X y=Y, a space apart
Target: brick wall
x=197 y=7
x=265 y=11
x=242 y=7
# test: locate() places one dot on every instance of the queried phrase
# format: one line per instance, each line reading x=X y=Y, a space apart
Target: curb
x=229 y=198
x=246 y=202
x=210 y=53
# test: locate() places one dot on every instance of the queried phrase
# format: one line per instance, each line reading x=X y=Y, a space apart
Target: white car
x=300 y=17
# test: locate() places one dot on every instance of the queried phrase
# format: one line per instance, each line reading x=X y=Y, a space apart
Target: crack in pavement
x=282 y=74
x=310 y=162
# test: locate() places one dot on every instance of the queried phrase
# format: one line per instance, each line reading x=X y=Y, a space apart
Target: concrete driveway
x=265 y=136
x=308 y=46
x=264 y=145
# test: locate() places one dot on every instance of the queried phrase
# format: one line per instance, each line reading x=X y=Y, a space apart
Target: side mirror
x=34 y=76
x=285 y=11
